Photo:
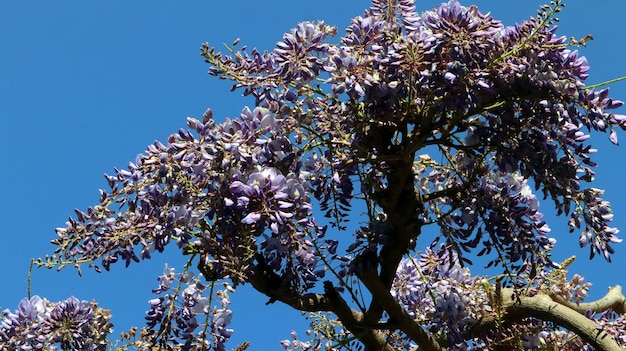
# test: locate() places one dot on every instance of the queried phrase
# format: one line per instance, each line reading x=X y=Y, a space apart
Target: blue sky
x=86 y=86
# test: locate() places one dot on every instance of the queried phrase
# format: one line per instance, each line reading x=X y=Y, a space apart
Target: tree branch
x=613 y=300
x=271 y=284
x=399 y=316
x=401 y=205
x=355 y=322
x=543 y=307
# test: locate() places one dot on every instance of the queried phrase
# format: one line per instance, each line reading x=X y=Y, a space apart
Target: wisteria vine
x=445 y=121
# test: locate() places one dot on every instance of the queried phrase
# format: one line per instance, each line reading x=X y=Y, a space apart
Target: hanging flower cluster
x=182 y=316
x=233 y=190
x=441 y=294
x=38 y=324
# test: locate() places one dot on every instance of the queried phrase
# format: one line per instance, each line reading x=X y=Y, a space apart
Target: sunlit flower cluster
x=184 y=317
x=38 y=324
x=442 y=295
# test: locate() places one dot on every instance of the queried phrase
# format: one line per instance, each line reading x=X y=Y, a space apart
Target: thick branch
x=399 y=316
x=541 y=306
x=400 y=201
x=272 y=285
x=401 y=205
x=613 y=300
x=355 y=321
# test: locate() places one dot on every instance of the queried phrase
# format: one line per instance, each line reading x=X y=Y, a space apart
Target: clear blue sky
x=86 y=85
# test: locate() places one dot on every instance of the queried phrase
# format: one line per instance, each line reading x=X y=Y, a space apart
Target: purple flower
x=181 y=316
x=69 y=324
x=251 y=218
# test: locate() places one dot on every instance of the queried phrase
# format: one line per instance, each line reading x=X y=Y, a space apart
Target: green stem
x=30 y=271
x=589 y=87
